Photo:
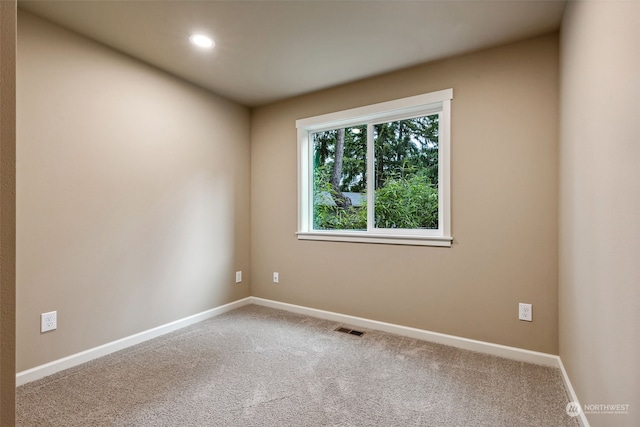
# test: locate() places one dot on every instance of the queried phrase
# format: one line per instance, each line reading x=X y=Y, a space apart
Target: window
x=377 y=174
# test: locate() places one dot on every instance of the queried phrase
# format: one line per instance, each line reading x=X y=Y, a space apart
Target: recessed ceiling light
x=201 y=40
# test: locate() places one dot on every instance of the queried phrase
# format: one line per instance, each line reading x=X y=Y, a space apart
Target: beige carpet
x=262 y=367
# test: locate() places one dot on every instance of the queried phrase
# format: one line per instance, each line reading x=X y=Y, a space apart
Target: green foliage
x=354 y=160
x=329 y=217
x=407 y=203
x=334 y=218
x=405 y=175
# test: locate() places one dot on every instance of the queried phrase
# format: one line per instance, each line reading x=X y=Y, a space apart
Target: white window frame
x=400 y=109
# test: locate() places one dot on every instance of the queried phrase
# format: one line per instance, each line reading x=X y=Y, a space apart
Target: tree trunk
x=341 y=200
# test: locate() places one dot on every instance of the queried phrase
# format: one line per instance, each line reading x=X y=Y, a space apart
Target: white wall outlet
x=48 y=321
x=524 y=312
x=238 y=276
x=276 y=277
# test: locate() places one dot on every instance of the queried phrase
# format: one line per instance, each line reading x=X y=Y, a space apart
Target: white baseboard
x=436 y=337
x=105 y=349
x=582 y=418
x=513 y=353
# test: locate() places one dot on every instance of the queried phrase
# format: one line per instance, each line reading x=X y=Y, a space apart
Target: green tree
x=405 y=171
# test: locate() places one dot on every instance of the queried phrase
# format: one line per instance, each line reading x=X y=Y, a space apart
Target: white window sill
x=386 y=239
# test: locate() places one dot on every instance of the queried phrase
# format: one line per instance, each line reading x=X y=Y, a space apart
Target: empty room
x=320 y=213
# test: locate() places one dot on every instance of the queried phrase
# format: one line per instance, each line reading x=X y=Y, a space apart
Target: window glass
x=340 y=179
x=406 y=173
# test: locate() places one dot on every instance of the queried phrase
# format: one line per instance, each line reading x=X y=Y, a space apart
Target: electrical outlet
x=238 y=276
x=48 y=321
x=524 y=312
x=276 y=277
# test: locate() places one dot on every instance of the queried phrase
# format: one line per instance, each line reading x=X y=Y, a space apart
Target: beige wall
x=7 y=210
x=133 y=195
x=600 y=205
x=504 y=206
x=133 y=201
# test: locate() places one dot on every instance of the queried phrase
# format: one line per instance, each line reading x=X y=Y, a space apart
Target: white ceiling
x=270 y=50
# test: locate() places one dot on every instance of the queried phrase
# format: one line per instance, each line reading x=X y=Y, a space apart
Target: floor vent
x=350 y=331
